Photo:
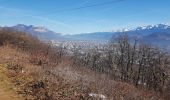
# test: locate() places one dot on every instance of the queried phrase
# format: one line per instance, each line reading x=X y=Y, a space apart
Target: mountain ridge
x=139 y=31
x=38 y=31
x=144 y=32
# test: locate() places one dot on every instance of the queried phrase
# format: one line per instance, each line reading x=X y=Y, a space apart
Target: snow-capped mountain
x=153 y=28
x=153 y=34
x=40 y=32
x=136 y=32
x=149 y=27
x=147 y=30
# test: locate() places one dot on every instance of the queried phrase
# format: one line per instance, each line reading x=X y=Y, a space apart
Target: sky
x=62 y=16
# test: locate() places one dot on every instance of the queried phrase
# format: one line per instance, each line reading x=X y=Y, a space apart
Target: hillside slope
x=36 y=71
x=19 y=80
x=6 y=88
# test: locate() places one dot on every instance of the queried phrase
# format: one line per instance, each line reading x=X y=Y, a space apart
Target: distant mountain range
x=138 y=32
x=40 y=32
x=155 y=34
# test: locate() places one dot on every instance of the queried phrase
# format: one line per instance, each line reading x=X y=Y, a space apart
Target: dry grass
x=63 y=82
x=7 y=90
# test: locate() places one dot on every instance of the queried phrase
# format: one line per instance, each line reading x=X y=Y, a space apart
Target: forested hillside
x=33 y=70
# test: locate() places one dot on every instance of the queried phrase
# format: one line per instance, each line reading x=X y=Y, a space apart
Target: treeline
x=129 y=61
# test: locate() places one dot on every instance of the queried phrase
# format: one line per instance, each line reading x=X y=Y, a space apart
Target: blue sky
x=54 y=15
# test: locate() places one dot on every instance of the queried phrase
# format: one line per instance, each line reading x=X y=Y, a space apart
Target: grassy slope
x=20 y=76
x=7 y=89
x=9 y=78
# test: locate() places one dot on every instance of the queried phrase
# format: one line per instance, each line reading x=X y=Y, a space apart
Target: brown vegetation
x=42 y=72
